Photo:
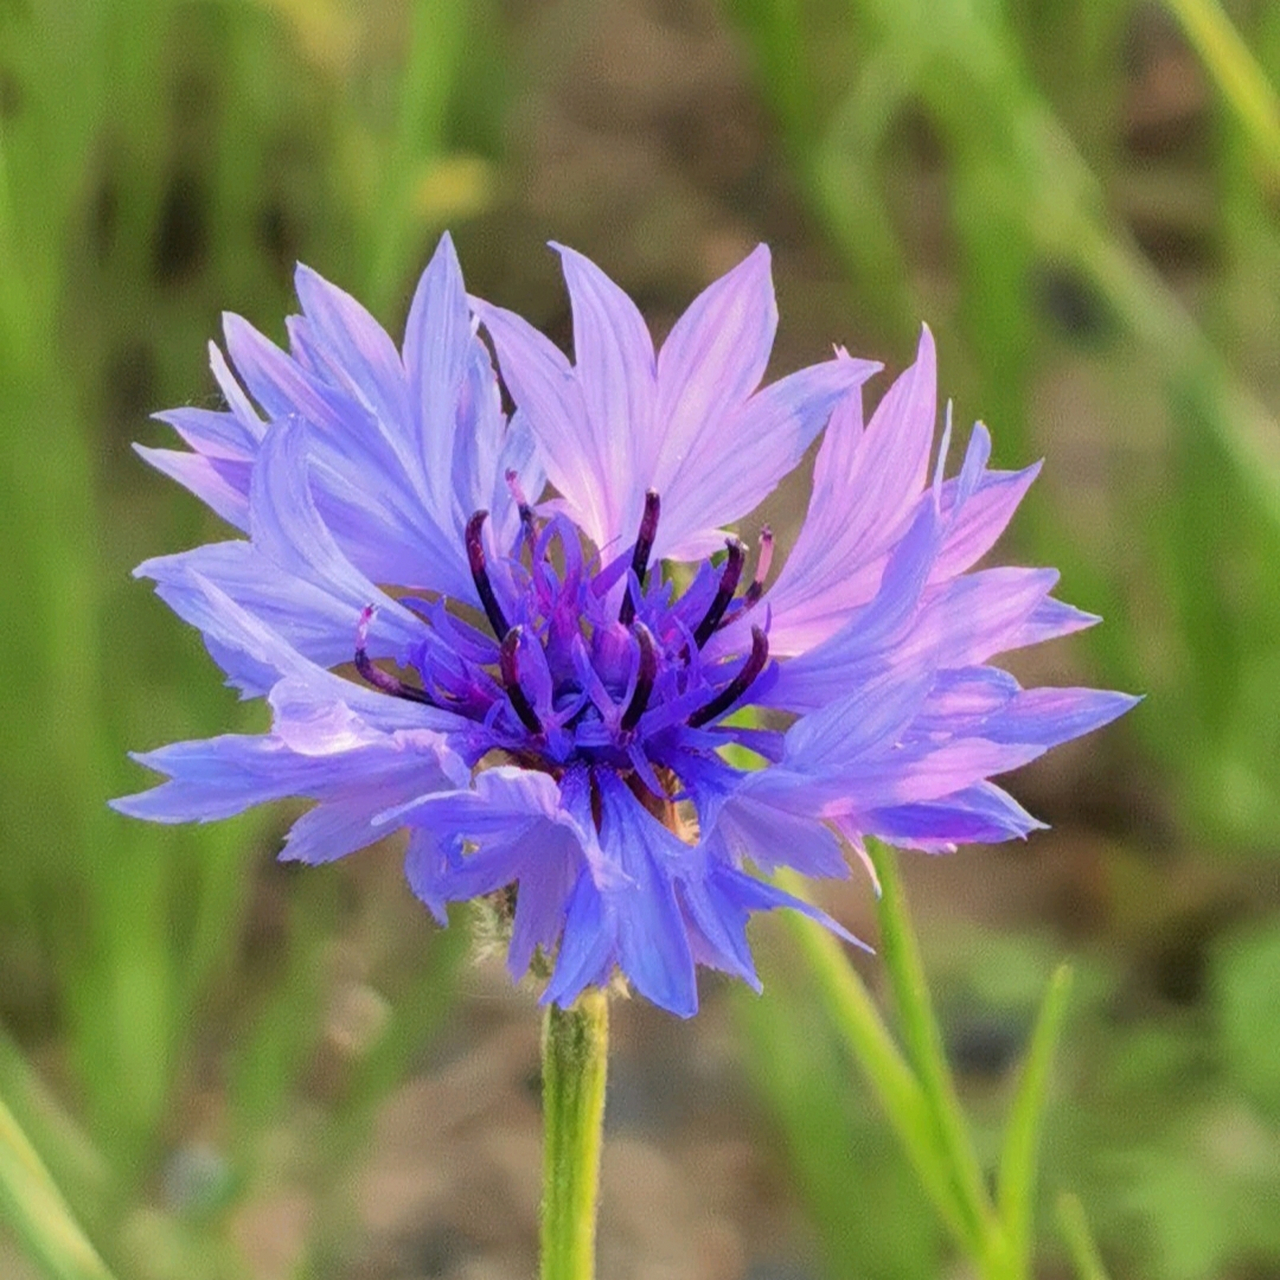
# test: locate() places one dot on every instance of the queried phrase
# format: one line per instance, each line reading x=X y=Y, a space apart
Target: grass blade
x=1073 y=1226
x=1236 y=72
x=1022 y=1138
x=854 y=1014
x=924 y=1039
x=33 y=1206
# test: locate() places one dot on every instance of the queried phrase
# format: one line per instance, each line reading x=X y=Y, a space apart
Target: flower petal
x=288 y=530
x=222 y=484
x=712 y=360
x=353 y=348
x=865 y=488
x=653 y=947
x=615 y=369
x=542 y=384
x=981 y=814
x=729 y=472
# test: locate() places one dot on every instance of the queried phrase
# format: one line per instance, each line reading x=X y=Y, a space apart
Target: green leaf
x=1022 y=1138
x=1074 y=1229
x=1246 y=979
x=924 y=1042
x=35 y=1209
x=853 y=1013
x=1236 y=72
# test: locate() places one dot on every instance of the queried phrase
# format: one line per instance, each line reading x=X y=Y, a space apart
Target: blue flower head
x=526 y=640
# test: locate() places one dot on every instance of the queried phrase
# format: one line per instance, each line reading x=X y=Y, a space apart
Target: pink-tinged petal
x=732 y=471
x=221 y=484
x=712 y=360
x=213 y=433
x=614 y=367
x=355 y=350
x=542 y=384
x=1049 y=620
x=981 y=614
x=982 y=519
x=965 y=696
x=959 y=624
x=866 y=486
x=871 y=638
x=911 y=777
x=871 y=717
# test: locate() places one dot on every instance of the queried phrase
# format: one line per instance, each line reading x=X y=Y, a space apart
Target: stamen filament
x=764 y=558
x=522 y=502
x=480 y=575
x=375 y=676
x=724 y=593
x=740 y=683
x=509 y=664
x=645 y=677
x=640 y=556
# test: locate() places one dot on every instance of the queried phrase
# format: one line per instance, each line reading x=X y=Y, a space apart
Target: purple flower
x=529 y=692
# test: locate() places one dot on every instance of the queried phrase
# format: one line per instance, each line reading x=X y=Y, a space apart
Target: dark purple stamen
x=724 y=593
x=764 y=559
x=740 y=683
x=640 y=556
x=480 y=575
x=375 y=676
x=509 y=664
x=645 y=677
x=522 y=502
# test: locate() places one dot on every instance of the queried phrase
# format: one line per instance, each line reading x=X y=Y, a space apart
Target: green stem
x=575 y=1047
x=925 y=1049
x=854 y=1014
x=1243 y=82
x=1074 y=1227
x=33 y=1206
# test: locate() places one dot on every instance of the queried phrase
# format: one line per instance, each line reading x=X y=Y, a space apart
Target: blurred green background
x=233 y=1069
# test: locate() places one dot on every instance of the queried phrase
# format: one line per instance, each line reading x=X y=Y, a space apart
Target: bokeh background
x=236 y=1069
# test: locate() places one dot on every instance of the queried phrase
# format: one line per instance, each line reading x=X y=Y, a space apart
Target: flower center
x=585 y=663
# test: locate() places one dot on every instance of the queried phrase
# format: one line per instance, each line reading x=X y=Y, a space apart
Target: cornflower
x=468 y=625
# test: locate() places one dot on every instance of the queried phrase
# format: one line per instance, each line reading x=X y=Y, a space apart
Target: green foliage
x=915 y=1086
x=960 y=161
x=157 y=163
x=31 y=1201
